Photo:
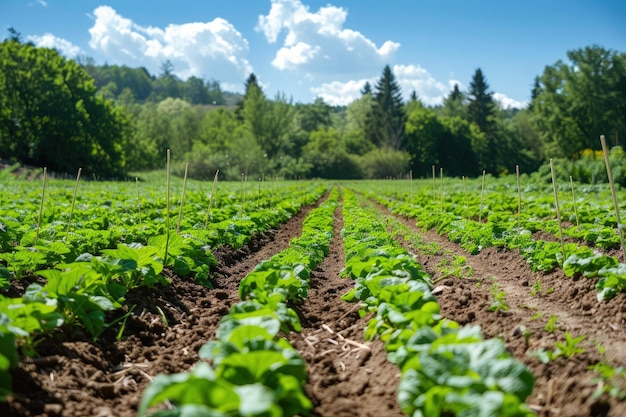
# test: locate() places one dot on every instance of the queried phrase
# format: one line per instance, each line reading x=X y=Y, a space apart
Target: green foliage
x=446 y=370
x=499 y=302
x=566 y=349
x=51 y=115
x=577 y=101
x=384 y=163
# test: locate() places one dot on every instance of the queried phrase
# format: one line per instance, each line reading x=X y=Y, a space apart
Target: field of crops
x=269 y=298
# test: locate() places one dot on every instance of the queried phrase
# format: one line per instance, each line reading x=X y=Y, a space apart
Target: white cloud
x=205 y=49
x=409 y=77
x=415 y=78
x=318 y=45
x=508 y=103
x=338 y=93
x=64 y=47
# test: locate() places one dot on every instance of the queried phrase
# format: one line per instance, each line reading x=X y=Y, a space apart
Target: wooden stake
x=208 y=213
x=482 y=192
x=43 y=193
x=519 y=202
x=571 y=181
x=182 y=199
x=466 y=203
x=69 y=222
x=243 y=192
x=167 y=212
x=441 y=184
x=138 y=201
x=558 y=212
x=620 y=228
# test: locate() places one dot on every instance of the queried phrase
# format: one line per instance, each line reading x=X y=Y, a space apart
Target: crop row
x=251 y=370
x=446 y=369
x=79 y=288
x=501 y=227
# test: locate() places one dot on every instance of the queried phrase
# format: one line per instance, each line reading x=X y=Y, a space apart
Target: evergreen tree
x=385 y=122
x=367 y=88
x=492 y=149
x=454 y=103
x=481 y=107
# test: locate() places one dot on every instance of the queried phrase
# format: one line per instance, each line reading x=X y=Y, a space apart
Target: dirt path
x=77 y=377
x=563 y=387
x=347 y=375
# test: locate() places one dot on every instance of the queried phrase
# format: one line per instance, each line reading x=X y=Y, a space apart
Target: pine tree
x=481 y=107
x=367 y=88
x=454 y=103
x=385 y=121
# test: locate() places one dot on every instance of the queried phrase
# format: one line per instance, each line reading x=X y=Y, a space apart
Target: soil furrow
x=79 y=377
x=563 y=387
x=347 y=376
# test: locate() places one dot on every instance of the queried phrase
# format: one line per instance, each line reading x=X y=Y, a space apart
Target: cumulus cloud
x=339 y=93
x=507 y=102
x=415 y=78
x=212 y=49
x=64 y=47
x=409 y=77
x=318 y=45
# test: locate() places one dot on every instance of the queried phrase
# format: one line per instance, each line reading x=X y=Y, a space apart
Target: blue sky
x=307 y=48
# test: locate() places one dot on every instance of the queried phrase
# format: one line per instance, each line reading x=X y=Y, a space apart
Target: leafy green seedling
x=499 y=302
x=552 y=325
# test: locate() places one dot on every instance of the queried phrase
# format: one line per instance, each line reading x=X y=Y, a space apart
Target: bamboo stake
x=441 y=184
x=519 y=202
x=167 y=212
x=43 y=193
x=69 y=222
x=607 y=161
x=243 y=192
x=138 y=201
x=466 y=204
x=482 y=192
x=556 y=203
x=571 y=181
x=208 y=213
x=182 y=199
x=434 y=192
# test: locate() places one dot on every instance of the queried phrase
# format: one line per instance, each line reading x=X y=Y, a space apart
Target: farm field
x=337 y=252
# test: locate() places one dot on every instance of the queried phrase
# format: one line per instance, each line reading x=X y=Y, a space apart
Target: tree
x=51 y=116
x=576 y=102
x=481 y=110
x=195 y=92
x=423 y=131
x=328 y=157
x=314 y=116
x=454 y=103
x=385 y=121
x=481 y=106
x=367 y=88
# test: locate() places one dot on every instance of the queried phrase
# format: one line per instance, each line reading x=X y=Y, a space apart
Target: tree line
x=111 y=120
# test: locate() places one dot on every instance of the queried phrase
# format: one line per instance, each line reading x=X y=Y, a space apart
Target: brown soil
x=347 y=376
x=563 y=387
x=75 y=376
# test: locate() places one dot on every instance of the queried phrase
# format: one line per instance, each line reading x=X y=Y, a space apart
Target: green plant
x=551 y=325
x=499 y=301
x=570 y=347
x=567 y=349
x=536 y=316
x=611 y=380
x=536 y=288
